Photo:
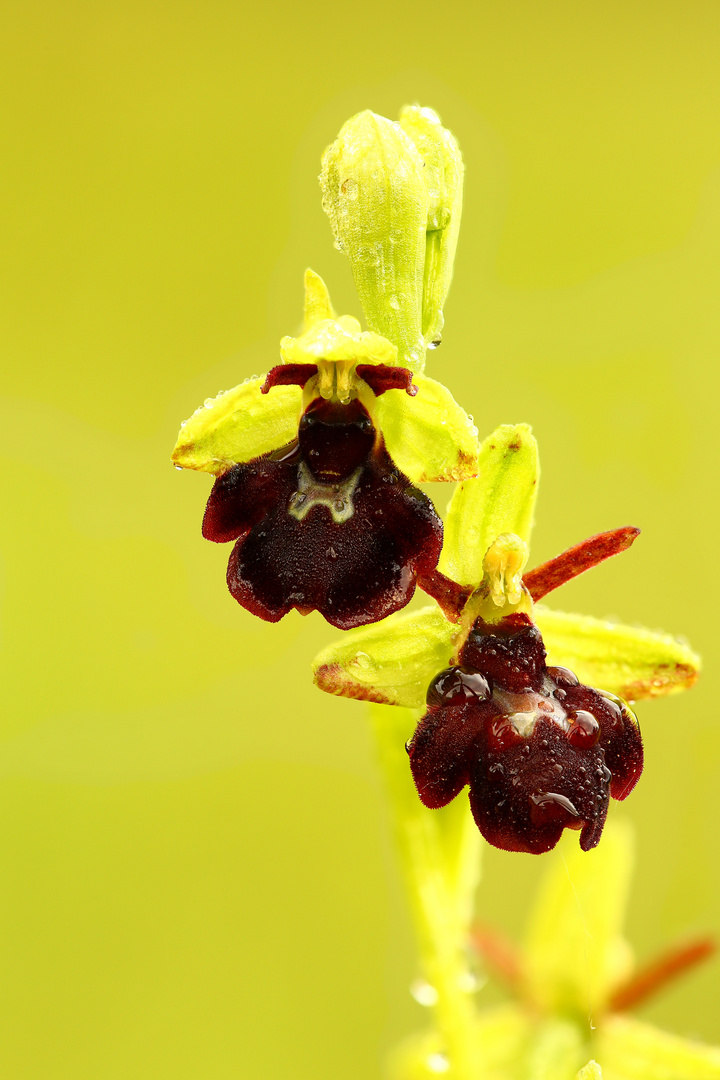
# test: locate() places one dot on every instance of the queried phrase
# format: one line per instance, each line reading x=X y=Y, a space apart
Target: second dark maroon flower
x=539 y=751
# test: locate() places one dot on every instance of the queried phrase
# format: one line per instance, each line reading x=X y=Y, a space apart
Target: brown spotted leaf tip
x=576 y=560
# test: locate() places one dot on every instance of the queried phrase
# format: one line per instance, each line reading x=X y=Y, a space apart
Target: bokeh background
x=196 y=871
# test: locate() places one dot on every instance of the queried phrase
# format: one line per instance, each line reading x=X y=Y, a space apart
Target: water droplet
x=424 y=993
x=183 y=423
x=179 y=468
x=438 y=1063
x=468 y=982
x=209 y=402
x=435 y=344
x=394 y=303
x=363 y=660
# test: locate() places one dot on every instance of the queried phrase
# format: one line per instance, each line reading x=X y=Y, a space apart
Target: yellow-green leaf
x=501 y=499
x=428 y=436
x=626 y=660
x=238 y=425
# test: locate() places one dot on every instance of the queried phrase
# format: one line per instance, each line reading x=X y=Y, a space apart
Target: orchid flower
x=539 y=747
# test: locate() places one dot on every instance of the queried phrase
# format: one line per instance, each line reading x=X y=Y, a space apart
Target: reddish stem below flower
x=659 y=972
x=499 y=953
x=576 y=560
x=450 y=596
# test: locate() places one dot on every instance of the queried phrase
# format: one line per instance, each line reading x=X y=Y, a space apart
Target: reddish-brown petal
x=242 y=496
x=288 y=375
x=524 y=795
x=382 y=377
x=443 y=750
x=576 y=560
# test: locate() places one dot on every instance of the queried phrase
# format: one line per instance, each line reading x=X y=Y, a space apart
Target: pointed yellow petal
x=317 y=299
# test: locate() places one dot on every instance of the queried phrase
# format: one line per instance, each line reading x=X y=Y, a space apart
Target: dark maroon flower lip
x=540 y=751
x=327 y=523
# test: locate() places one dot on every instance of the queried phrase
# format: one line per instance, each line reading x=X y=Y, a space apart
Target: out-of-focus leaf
x=575 y=954
x=630 y=1050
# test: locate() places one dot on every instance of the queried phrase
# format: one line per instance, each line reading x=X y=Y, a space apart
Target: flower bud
x=393 y=194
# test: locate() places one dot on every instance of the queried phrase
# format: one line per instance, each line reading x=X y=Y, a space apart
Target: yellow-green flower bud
x=393 y=193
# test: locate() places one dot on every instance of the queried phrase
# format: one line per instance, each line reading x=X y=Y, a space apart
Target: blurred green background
x=197 y=878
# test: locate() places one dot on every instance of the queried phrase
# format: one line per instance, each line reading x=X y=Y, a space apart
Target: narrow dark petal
x=443 y=750
x=576 y=560
x=524 y=794
x=288 y=375
x=382 y=377
x=242 y=496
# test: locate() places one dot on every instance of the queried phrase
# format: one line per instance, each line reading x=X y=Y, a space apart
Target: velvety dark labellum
x=327 y=523
x=539 y=751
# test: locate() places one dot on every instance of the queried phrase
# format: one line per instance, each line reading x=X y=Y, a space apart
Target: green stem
x=440 y=854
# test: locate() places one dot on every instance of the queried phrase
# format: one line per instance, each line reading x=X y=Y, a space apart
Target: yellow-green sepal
x=443 y=174
x=428 y=436
x=629 y=661
x=501 y=499
x=575 y=954
x=632 y=1050
x=239 y=425
x=391 y=662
